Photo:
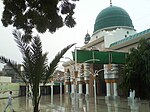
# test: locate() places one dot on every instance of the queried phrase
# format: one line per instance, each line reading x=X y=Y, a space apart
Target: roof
x=112 y=16
x=130 y=38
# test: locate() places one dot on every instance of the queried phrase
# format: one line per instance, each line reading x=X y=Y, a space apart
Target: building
x=9 y=80
x=113 y=31
x=8 y=71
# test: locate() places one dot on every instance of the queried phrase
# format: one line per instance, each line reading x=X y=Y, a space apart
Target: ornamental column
x=115 y=89
x=72 y=80
x=114 y=72
x=110 y=75
x=80 y=79
x=108 y=88
x=67 y=81
x=108 y=84
x=87 y=77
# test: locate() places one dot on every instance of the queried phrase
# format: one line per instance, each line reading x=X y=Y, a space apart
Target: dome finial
x=110 y=2
x=87 y=38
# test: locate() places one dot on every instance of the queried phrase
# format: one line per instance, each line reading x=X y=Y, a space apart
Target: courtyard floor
x=68 y=104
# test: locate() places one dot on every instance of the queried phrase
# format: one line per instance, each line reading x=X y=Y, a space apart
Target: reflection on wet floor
x=67 y=103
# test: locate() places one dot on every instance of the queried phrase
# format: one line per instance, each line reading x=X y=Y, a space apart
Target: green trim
x=130 y=38
x=57 y=83
x=100 y=57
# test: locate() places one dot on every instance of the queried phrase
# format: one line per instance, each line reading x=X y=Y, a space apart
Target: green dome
x=112 y=16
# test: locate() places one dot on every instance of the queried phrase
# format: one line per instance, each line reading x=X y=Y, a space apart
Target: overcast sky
x=85 y=14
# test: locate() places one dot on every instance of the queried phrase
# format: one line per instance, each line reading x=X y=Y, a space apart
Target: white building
x=113 y=31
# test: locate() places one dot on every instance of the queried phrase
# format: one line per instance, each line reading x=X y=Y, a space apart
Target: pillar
x=108 y=88
x=60 y=93
x=110 y=75
x=115 y=89
x=52 y=83
x=80 y=88
x=94 y=85
x=60 y=88
x=87 y=76
x=80 y=78
x=72 y=88
x=72 y=82
x=67 y=88
x=114 y=72
x=67 y=80
x=87 y=89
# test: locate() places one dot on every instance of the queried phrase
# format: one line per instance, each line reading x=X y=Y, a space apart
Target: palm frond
x=55 y=61
x=25 y=49
x=13 y=65
x=38 y=58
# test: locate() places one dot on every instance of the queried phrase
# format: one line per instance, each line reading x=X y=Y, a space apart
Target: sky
x=85 y=14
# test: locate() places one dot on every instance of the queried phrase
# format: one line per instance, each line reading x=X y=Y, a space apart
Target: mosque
x=113 y=32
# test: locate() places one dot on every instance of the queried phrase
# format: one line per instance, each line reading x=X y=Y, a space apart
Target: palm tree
x=35 y=64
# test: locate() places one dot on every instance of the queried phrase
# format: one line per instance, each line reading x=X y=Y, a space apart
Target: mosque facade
x=113 y=31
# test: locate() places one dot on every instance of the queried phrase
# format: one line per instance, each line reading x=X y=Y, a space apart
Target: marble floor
x=66 y=103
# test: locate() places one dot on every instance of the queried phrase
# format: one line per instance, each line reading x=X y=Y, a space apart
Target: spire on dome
x=87 y=38
x=110 y=2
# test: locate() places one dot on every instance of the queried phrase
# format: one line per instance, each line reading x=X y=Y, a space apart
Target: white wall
x=5 y=79
x=111 y=36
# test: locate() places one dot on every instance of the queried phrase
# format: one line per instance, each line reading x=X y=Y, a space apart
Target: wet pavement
x=68 y=104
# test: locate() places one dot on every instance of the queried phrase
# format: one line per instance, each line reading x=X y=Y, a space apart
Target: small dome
x=87 y=38
x=112 y=16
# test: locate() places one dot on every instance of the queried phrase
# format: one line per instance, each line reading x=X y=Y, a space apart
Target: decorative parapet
x=110 y=76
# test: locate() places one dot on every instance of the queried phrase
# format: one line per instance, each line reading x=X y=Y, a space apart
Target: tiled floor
x=68 y=104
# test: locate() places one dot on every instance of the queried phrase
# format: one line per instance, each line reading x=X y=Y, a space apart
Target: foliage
x=35 y=64
x=137 y=70
x=42 y=15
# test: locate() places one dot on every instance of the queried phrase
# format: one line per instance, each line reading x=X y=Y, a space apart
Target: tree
x=42 y=15
x=137 y=70
x=35 y=64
